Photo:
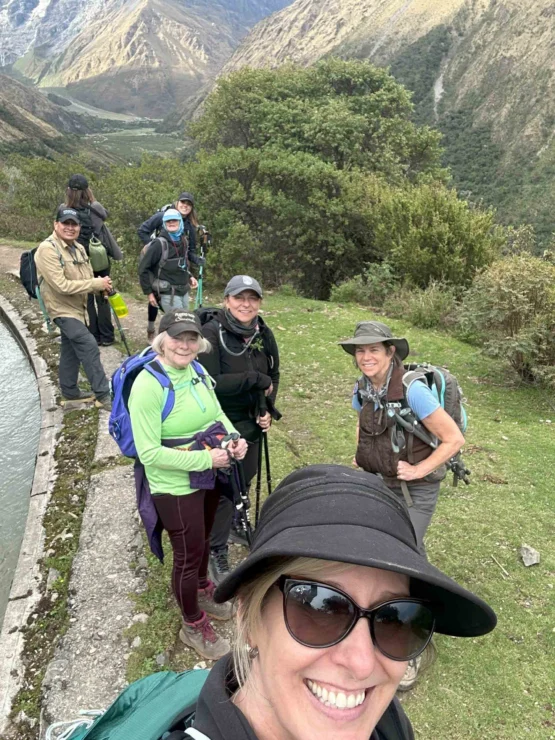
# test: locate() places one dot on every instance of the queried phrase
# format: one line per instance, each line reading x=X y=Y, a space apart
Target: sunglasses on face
x=320 y=616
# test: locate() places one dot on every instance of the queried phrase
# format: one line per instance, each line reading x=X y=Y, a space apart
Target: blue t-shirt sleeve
x=422 y=400
x=355 y=403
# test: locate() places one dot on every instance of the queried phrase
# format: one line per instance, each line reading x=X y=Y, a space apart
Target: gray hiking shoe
x=104 y=402
x=206 y=603
x=202 y=638
x=75 y=401
x=219 y=565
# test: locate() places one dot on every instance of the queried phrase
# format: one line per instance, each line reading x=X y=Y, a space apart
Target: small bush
x=510 y=308
x=370 y=288
x=428 y=309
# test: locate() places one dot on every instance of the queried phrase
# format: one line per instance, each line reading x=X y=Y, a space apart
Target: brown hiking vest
x=375 y=452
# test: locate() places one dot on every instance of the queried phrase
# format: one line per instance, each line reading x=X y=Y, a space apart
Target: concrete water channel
x=20 y=421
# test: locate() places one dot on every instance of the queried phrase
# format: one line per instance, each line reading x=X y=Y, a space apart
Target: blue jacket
x=154 y=225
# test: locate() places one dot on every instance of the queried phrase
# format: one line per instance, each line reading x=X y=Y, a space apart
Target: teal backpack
x=158 y=707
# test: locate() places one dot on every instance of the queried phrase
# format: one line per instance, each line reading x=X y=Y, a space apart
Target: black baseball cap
x=178 y=320
x=187 y=196
x=67 y=214
x=78 y=182
x=332 y=512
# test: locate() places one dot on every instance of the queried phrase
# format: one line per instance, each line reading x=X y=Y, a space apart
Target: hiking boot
x=104 y=402
x=237 y=536
x=219 y=565
x=82 y=397
x=411 y=675
x=206 y=603
x=202 y=638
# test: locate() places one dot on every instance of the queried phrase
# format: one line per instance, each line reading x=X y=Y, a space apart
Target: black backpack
x=28 y=271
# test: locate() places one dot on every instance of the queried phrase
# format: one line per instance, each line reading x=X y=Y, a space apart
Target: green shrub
x=510 y=309
x=431 y=308
x=371 y=288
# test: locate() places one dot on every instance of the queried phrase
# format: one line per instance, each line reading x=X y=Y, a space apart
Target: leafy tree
x=348 y=113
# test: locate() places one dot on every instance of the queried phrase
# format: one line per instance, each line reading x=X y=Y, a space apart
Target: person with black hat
x=151 y=228
x=333 y=600
x=92 y=215
x=180 y=473
x=379 y=356
x=245 y=365
x=66 y=278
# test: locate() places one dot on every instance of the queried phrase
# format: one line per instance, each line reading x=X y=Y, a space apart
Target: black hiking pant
x=100 y=318
x=79 y=347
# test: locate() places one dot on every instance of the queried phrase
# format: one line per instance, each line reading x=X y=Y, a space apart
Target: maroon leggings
x=188 y=520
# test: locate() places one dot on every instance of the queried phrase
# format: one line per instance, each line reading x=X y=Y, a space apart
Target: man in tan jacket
x=66 y=277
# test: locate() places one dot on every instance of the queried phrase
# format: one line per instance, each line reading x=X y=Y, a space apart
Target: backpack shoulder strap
x=57 y=248
x=156 y=369
x=196 y=734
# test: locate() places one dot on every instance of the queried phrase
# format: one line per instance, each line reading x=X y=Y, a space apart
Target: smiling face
x=181 y=350
x=373 y=360
x=300 y=693
x=184 y=207
x=68 y=231
x=172 y=225
x=244 y=306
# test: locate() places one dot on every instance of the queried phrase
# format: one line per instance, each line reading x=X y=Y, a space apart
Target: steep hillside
x=133 y=56
x=481 y=70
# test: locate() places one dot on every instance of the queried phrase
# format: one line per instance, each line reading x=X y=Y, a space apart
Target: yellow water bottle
x=118 y=304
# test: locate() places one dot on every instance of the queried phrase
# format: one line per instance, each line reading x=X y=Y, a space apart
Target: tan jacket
x=65 y=277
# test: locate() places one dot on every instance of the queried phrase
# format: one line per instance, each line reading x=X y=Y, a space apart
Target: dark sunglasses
x=320 y=616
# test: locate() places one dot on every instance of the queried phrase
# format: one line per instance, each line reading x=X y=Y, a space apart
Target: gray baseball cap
x=239 y=283
x=372 y=332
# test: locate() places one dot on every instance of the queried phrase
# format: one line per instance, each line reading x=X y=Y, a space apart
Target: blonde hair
x=204 y=345
x=252 y=597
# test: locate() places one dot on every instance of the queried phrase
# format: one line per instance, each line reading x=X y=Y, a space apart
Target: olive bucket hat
x=372 y=332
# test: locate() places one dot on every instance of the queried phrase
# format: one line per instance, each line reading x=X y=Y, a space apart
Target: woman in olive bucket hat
x=333 y=600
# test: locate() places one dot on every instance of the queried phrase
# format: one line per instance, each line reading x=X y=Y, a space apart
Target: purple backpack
x=122 y=381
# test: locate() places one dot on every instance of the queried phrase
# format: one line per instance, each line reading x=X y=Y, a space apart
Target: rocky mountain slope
x=481 y=70
x=133 y=56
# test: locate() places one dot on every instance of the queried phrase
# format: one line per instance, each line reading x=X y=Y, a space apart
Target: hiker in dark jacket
x=164 y=266
x=244 y=362
x=92 y=215
x=332 y=601
x=185 y=205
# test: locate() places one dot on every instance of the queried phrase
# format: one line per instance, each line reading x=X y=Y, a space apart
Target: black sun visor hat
x=335 y=513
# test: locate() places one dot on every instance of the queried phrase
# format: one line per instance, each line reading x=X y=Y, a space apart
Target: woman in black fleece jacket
x=244 y=362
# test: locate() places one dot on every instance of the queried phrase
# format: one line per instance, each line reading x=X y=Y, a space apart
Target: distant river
x=19 y=437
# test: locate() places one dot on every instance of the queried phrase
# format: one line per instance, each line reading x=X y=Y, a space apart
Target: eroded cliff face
x=137 y=56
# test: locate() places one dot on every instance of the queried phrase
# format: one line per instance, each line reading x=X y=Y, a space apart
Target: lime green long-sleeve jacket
x=196 y=408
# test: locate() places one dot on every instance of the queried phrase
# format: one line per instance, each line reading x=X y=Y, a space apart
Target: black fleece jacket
x=175 y=270
x=240 y=378
x=218 y=718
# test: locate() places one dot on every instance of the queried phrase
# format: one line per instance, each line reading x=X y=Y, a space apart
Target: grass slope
x=497 y=687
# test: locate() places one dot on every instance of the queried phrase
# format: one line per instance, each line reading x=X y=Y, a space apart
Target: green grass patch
x=497 y=686
x=7 y=242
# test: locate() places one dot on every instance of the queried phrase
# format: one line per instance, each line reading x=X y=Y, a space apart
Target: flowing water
x=19 y=436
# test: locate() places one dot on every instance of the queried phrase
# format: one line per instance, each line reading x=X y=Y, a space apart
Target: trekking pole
x=263 y=410
x=205 y=243
x=258 y=482
x=122 y=333
x=239 y=488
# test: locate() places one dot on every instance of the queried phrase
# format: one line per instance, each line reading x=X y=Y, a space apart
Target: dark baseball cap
x=332 y=512
x=178 y=320
x=78 y=182
x=187 y=196
x=67 y=214
x=239 y=283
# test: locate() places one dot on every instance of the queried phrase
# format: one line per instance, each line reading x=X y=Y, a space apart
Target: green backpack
x=160 y=705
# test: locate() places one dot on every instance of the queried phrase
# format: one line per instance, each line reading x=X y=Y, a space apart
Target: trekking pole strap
x=406 y=493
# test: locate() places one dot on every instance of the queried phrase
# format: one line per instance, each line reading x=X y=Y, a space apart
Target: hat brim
x=236 y=291
x=401 y=345
x=65 y=219
x=175 y=329
x=459 y=613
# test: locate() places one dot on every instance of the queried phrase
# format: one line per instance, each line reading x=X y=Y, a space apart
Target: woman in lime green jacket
x=185 y=510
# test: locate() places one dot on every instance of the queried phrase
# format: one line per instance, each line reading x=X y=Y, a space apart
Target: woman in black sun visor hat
x=333 y=600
